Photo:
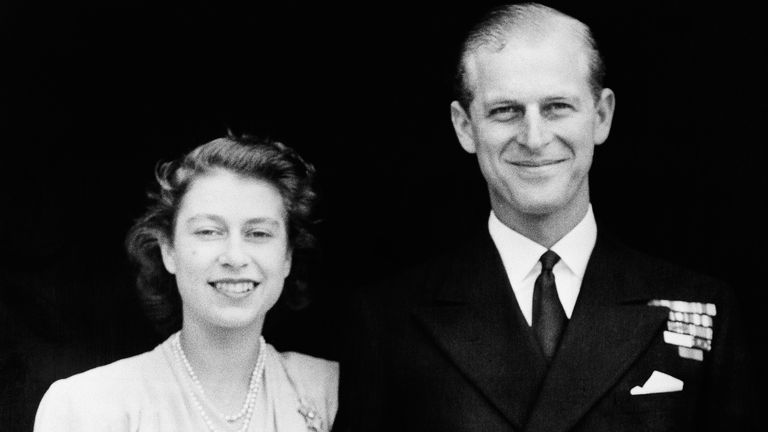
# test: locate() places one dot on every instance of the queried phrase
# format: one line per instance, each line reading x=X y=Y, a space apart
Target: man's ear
x=169 y=255
x=604 y=107
x=462 y=125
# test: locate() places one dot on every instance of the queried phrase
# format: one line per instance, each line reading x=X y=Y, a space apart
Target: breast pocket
x=667 y=401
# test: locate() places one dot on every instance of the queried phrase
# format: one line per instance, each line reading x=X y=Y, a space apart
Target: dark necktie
x=548 y=315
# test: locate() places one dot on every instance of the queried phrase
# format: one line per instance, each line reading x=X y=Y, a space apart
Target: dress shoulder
x=316 y=380
x=97 y=399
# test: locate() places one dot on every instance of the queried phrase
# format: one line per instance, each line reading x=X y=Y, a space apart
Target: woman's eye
x=207 y=232
x=258 y=234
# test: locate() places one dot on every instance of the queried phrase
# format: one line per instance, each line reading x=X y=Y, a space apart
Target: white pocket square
x=659 y=382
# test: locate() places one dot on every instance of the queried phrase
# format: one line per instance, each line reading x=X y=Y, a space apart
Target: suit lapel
x=476 y=322
x=607 y=332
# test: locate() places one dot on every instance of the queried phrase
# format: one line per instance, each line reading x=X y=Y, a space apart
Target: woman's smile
x=234 y=288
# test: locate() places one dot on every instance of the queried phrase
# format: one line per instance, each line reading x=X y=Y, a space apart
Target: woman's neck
x=223 y=360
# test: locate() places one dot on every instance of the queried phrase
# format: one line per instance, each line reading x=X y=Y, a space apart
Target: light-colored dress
x=151 y=393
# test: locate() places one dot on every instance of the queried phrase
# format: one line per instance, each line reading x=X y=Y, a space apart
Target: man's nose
x=233 y=254
x=533 y=133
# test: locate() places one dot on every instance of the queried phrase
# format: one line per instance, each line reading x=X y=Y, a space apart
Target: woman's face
x=230 y=250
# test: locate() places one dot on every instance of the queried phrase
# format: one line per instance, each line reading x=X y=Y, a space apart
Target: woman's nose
x=233 y=254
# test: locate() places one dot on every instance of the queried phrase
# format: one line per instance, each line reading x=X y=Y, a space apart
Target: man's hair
x=249 y=157
x=498 y=25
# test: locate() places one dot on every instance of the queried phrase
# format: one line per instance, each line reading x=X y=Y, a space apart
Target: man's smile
x=536 y=163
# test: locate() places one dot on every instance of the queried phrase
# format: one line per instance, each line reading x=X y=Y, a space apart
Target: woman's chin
x=230 y=318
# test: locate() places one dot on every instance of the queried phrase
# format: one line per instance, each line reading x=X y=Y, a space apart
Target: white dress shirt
x=521 y=255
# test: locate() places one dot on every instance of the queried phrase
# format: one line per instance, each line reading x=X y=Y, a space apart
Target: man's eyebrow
x=566 y=98
x=503 y=100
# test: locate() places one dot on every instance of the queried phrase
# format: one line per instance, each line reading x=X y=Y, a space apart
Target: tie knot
x=548 y=260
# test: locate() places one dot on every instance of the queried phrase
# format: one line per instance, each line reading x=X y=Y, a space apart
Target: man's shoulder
x=405 y=285
x=418 y=280
x=661 y=276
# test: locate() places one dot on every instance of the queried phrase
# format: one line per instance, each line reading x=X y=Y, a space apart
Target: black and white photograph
x=400 y=216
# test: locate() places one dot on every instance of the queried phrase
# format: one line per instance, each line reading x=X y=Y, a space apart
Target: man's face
x=533 y=124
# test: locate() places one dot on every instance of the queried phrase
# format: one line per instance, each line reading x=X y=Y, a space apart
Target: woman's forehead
x=232 y=196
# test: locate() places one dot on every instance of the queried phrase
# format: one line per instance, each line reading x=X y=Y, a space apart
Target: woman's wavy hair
x=247 y=156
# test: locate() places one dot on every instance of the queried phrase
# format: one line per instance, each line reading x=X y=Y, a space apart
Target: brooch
x=314 y=422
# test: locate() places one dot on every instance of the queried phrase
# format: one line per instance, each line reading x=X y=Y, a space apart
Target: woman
x=223 y=225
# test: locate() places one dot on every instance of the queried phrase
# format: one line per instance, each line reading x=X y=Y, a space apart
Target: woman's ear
x=287 y=263
x=169 y=255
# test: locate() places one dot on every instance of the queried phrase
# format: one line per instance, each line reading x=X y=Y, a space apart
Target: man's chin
x=527 y=209
x=539 y=208
x=538 y=203
x=535 y=202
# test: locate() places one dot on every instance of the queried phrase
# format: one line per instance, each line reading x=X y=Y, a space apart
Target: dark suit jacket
x=446 y=348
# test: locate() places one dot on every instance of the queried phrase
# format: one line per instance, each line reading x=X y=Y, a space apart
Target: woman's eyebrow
x=263 y=220
x=205 y=216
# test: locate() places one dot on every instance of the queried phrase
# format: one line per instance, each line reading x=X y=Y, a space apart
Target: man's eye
x=504 y=112
x=558 y=108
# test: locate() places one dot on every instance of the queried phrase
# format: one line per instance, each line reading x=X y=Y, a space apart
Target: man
x=539 y=323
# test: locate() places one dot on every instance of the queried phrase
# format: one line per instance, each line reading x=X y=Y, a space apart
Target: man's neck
x=545 y=229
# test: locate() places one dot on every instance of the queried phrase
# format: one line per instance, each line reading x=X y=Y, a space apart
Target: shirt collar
x=576 y=247
x=521 y=254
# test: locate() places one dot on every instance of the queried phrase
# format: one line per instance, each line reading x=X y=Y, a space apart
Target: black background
x=93 y=96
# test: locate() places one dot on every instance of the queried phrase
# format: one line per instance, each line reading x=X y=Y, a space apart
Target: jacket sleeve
x=726 y=397
x=361 y=386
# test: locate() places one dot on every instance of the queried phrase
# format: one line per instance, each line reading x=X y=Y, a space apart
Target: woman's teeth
x=234 y=287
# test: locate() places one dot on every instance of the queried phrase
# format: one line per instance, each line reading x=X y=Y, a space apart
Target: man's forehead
x=529 y=58
x=557 y=33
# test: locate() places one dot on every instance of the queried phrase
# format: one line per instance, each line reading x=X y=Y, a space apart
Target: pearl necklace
x=250 y=398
